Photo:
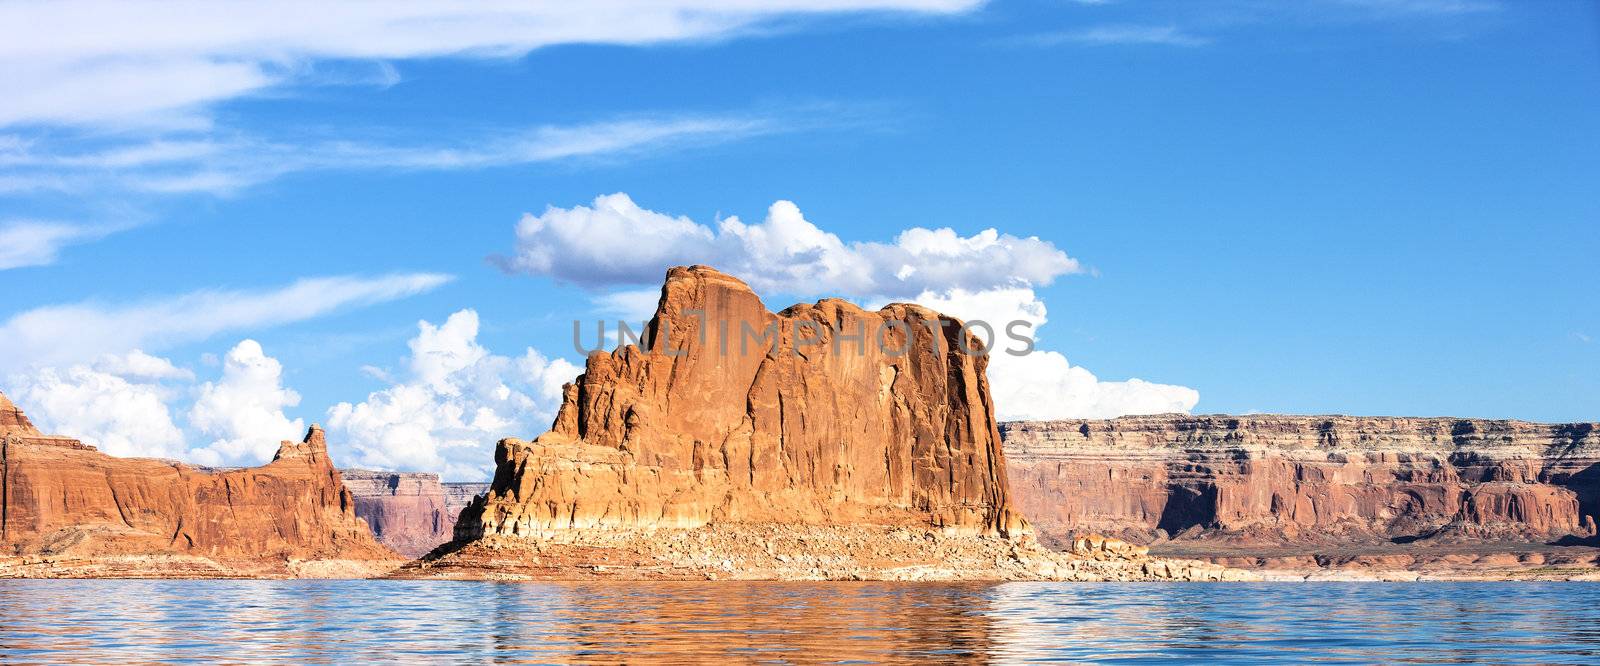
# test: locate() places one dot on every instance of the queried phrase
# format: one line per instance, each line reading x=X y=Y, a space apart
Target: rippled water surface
x=345 y=621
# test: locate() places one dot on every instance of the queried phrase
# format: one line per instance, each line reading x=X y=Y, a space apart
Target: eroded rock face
x=12 y=420
x=1280 y=480
x=411 y=512
x=67 y=509
x=706 y=426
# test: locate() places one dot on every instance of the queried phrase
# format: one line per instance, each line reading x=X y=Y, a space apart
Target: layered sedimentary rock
x=68 y=510
x=848 y=444
x=1233 y=484
x=12 y=420
x=708 y=424
x=411 y=512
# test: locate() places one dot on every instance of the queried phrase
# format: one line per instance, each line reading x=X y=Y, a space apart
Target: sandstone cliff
x=411 y=512
x=1313 y=486
x=67 y=510
x=701 y=428
x=822 y=455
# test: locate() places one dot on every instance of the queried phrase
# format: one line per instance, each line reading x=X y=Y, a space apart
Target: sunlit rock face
x=12 y=420
x=67 y=509
x=1306 y=479
x=705 y=424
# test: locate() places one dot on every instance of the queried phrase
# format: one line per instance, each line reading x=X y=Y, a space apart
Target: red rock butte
x=701 y=428
x=68 y=510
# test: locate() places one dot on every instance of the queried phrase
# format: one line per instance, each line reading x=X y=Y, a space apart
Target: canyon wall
x=411 y=512
x=703 y=425
x=1283 y=480
x=67 y=509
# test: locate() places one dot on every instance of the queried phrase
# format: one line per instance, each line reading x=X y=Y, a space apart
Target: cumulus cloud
x=124 y=404
x=614 y=243
x=80 y=63
x=117 y=403
x=1042 y=384
x=64 y=334
x=242 y=412
x=458 y=399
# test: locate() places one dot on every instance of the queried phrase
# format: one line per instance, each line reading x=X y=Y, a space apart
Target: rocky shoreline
x=779 y=552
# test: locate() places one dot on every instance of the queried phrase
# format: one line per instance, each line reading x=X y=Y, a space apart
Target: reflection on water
x=427 y=621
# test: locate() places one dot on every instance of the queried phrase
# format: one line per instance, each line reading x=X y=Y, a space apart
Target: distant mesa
x=1440 y=495
x=411 y=512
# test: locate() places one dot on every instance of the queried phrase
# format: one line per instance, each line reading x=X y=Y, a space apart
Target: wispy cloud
x=205 y=163
x=73 y=333
x=1110 y=35
x=142 y=63
x=1582 y=337
x=37 y=243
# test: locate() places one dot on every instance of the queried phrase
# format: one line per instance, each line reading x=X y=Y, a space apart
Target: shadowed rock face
x=725 y=432
x=411 y=512
x=67 y=509
x=1307 y=479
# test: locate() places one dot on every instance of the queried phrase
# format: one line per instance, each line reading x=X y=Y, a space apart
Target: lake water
x=435 y=621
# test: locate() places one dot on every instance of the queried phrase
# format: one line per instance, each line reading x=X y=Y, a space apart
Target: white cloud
x=616 y=242
x=1042 y=384
x=206 y=163
x=139 y=365
x=989 y=276
x=124 y=404
x=110 y=99
x=37 y=243
x=242 y=412
x=630 y=305
x=63 y=334
x=117 y=404
x=457 y=401
x=166 y=63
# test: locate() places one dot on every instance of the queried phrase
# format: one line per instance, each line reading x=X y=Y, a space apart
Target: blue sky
x=1365 y=207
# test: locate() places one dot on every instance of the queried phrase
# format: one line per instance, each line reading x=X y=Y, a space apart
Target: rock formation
x=850 y=443
x=411 y=512
x=707 y=425
x=1319 y=488
x=68 y=510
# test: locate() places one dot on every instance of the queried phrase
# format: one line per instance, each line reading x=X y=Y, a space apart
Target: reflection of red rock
x=69 y=510
x=847 y=435
x=411 y=512
x=1306 y=480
